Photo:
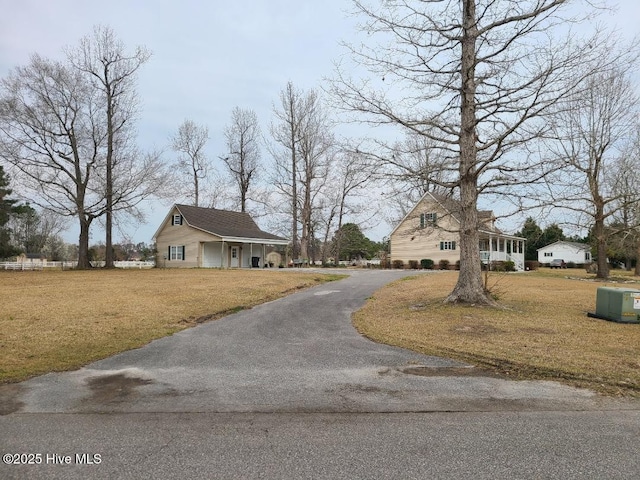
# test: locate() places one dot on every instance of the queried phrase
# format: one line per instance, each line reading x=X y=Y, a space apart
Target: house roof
x=224 y=223
x=452 y=206
x=576 y=245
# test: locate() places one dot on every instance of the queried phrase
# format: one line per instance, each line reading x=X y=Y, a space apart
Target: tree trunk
x=637 y=269
x=83 y=244
x=108 y=255
x=469 y=289
x=601 y=242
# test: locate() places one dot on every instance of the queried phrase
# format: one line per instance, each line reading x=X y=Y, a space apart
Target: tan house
x=432 y=230
x=207 y=237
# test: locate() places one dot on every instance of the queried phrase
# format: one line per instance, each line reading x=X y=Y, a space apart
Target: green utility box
x=618 y=304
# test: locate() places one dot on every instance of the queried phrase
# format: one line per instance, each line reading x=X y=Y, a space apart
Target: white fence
x=68 y=265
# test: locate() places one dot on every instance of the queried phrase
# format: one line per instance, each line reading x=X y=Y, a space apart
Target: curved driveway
x=296 y=354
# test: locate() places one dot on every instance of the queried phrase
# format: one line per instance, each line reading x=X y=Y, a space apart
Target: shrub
x=458 y=265
x=385 y=263
x=509 y=266
x=531 y=265
x=444 y=264
x=398 y=264
x=413 y=264
x=571 y=264
x=427 y=263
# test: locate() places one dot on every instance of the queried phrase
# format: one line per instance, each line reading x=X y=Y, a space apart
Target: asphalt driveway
x=296 y=354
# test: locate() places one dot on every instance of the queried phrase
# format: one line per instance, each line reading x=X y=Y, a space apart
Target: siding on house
x=181 y=235
x=411 y=241
x=579 y=253
x=416 y=238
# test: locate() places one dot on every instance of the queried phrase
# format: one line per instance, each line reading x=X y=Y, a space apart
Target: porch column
x=222 y=254
x=251 y=255
x=490 y=247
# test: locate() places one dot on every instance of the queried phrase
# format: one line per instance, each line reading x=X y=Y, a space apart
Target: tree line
x=507 y=101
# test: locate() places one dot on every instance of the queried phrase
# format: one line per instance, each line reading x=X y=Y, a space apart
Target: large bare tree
x=475 y=76
x=112 y=71
x=52 y=137
x=242 y=137
x=189 y=142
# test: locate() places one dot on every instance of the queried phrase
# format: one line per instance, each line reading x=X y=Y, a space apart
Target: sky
x=207 y=58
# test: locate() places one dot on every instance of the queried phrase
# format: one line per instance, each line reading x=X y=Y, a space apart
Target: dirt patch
x=115 y=388
x=10 y=399
x=450 y=372
x=477 y=330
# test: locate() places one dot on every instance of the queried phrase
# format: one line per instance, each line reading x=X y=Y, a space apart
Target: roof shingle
x=224 y=223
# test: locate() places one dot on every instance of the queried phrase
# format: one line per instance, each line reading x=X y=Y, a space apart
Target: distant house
x=207 y=237
x=431 y=230
x=578 y=253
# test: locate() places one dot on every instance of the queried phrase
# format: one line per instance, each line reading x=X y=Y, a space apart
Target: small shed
x=578 y=253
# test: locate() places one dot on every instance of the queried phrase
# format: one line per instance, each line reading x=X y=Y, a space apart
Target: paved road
x=288 y=389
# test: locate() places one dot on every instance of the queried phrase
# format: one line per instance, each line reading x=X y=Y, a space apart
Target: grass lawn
x=54 y=320
x=541 y=332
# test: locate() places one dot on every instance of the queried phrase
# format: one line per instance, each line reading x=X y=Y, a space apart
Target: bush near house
x=444 y=264
x=427 y=263
x=398 y=264
x=502 y=266
x=413 y=264
x=531 y=265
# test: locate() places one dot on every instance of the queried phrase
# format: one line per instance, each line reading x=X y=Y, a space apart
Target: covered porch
x=236 y=252
x=502 y=248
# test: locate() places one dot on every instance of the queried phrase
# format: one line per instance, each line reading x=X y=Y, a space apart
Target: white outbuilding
x=578 y=253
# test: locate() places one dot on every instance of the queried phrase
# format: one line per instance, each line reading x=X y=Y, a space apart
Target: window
x=447 y=245
x=177 y=219
x=548 y=254
x=587 y=256
x=176 y=252
x=428 y=218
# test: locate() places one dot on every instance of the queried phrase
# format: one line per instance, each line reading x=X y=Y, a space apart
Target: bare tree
x=285 y=132
x=242 y=137
x=589 y=132
x=351 y=173
x=316 y=144
x=51 y=134
x=474 y=76
x=112 y=71
x=189 y=142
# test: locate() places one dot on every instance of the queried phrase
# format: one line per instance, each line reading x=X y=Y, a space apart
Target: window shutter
x=453 y=245
x=173 y=220
x=169 y=256
x=183 y=253
x=441 y=245
x=422 y=220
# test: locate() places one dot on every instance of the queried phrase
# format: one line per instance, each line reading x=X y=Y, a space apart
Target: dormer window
x=428 y=219
x=177 y=219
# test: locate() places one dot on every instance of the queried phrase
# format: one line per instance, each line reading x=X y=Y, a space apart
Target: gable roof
x=452 y=206
x=226 y=224
x=576 y=245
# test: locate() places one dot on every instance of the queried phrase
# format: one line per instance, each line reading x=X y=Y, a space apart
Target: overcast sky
x=208 y=56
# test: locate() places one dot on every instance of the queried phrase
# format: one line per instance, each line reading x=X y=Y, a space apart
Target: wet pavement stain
x=10 y=399
x=115 y=388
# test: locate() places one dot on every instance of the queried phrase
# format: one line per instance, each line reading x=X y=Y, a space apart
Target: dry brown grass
x=53 y=320
x=542 y=330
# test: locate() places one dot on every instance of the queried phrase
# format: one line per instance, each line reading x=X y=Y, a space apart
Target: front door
x=235 y=257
